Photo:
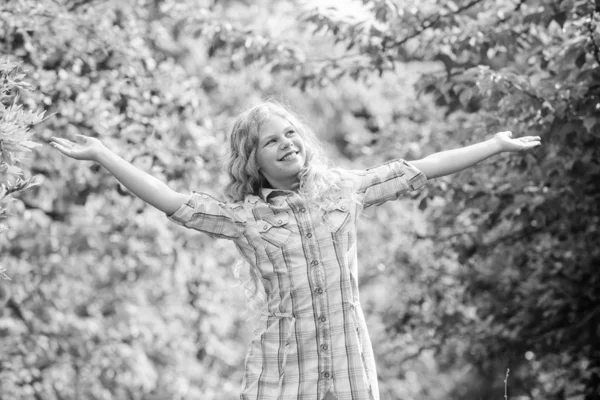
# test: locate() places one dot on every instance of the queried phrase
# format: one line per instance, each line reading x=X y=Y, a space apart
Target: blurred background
x=490 y=269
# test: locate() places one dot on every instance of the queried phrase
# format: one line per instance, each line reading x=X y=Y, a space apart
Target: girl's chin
x=295 y=166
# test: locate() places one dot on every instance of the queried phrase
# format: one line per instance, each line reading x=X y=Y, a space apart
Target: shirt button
x=315 y=262
x=326 y=374
x=309 y=235
x=303 y=210
x=324 y=347
x=319 y=291
x=323 y=319
x=343 y=208
x=279 y=222
x=265 y=227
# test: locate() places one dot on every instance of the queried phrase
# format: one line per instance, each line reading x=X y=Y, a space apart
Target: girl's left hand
x=507 y=143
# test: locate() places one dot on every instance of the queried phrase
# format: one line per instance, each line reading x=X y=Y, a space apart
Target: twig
x=572 y=328
x=591 y=29
x=506 y=384
x=443 y=237
x=418 y=353
x=517 y=8
x=336 y=59
x=429 y=22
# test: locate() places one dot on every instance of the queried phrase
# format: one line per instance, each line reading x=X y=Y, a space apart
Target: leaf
x=13 y=169
x=533 y=18
x=589 y=123
x=452 y=6
x=465 y=96
x=560 y=18
x=3 y=275
x=580 y=60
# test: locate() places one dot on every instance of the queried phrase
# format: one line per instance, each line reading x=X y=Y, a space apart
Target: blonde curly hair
x=320 y=184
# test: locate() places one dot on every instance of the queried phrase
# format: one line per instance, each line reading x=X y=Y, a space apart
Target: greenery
x=489 y=269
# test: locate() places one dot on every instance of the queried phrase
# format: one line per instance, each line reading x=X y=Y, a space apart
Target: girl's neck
x=293 y=185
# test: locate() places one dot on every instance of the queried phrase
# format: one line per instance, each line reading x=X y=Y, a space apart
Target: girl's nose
x=285 y=143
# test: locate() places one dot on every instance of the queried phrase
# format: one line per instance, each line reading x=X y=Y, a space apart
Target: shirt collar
x=266 y=193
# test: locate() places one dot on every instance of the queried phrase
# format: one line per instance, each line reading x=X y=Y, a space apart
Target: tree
x=110 y=301
x=524 y=228
x=14 y=140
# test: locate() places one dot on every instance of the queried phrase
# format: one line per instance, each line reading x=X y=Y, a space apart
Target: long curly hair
x=320 y=184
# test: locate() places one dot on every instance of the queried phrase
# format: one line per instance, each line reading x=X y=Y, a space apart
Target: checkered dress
x=312 y=337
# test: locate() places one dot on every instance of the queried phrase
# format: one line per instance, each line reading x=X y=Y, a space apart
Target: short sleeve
x=389 y=181
x=209 y=215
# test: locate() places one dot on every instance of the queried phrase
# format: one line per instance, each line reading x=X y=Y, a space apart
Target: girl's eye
x=291 y=133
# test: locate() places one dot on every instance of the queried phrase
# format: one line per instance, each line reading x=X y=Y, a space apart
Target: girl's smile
x=281 y=153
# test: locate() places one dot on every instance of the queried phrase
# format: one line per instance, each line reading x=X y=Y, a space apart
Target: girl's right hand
x=88 y=149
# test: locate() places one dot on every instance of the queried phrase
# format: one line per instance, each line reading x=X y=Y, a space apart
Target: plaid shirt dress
x=312 y=339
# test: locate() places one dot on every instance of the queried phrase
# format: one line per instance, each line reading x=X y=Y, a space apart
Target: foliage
x=14 y=138
x=525 y=228
x=97 y=308
x=493 y=270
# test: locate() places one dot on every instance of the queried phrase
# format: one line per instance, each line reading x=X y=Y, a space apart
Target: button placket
x=318 y=283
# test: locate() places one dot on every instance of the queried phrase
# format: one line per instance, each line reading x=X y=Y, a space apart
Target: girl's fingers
x=524 y=139
x=526 y=144
x=529 y=138
x=63 y=142
x=60 y=148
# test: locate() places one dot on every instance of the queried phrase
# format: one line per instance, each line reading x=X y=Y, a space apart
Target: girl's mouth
x=290 y=156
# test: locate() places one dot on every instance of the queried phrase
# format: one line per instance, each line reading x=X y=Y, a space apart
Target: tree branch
x=444 y=237
x=418 y=352
x=335 y=59
x=517 y=8
x=53 y=215
x=429 y=22
x=572 y=328
x=591 y=29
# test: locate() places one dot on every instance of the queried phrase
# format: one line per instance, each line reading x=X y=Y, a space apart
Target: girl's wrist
x=497 y=145
x=101 y=153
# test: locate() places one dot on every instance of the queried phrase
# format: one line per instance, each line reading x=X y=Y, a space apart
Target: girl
x=294 y=220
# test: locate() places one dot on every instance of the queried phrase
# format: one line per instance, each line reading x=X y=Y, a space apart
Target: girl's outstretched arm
x=143 y=185
x=451 y=161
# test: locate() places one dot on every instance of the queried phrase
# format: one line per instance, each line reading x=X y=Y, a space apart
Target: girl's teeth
x=289 y=157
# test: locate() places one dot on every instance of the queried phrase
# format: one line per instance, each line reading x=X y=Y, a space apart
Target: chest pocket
x=274 y=228
x=338 y=218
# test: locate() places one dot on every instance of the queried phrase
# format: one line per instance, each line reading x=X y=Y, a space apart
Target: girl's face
x=281 y=153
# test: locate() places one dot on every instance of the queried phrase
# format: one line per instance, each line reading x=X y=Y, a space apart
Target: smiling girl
x=293 y=219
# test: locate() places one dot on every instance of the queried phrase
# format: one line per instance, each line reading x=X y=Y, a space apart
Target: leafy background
x=490 y=269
